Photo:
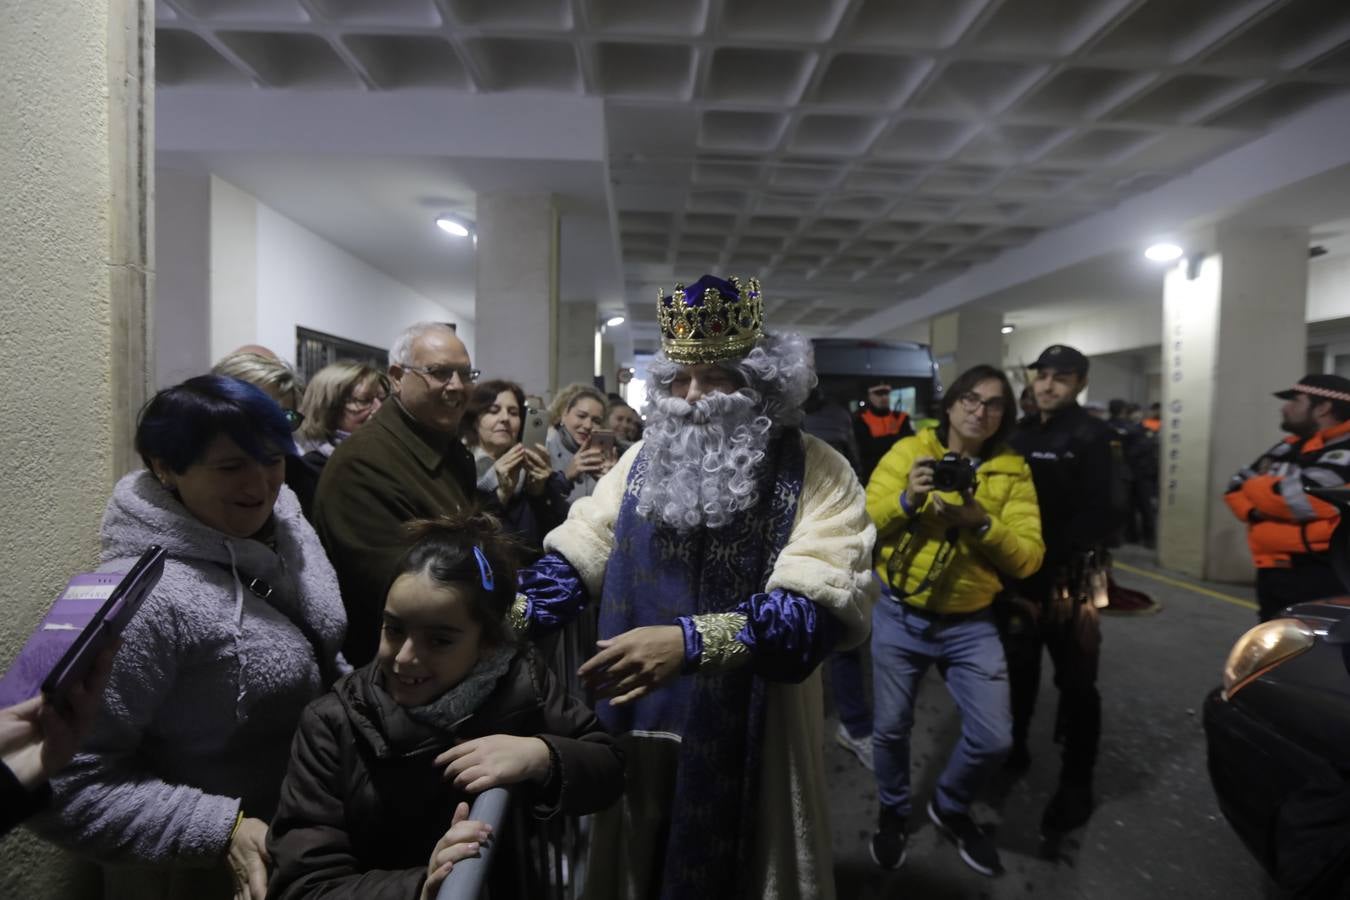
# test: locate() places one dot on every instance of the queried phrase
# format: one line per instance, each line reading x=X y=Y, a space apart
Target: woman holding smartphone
x=580 y=448
x=531 y=496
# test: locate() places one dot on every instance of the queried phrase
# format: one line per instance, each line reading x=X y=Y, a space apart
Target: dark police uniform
x=1071 y=464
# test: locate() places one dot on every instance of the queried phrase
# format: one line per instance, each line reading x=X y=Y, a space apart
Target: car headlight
x=1262 y=649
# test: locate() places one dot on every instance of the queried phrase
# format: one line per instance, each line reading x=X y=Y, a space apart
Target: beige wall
x=961 y=340
x=1103 y=330
x=1329 y=287
x=182 y=276
x=71 y=339
x=234 y=270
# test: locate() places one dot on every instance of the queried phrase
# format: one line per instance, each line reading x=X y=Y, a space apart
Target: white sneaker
x=859 y=747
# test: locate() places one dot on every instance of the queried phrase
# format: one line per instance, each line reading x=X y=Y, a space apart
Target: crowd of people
x=342 y=652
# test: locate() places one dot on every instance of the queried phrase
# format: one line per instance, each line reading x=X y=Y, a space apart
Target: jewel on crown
x=723 y=321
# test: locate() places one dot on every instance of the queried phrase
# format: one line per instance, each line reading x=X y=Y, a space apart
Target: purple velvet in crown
x=694 y=292
x=711 y=320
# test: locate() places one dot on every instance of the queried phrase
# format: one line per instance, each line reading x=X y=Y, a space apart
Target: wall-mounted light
x=614 y=321
x=1009 y=329
x=1164 y=252
x=453 y=225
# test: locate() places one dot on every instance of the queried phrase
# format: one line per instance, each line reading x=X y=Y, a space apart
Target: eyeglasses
x=356 y=404
x=972 y=402
x=294 y=419
x=440 y=376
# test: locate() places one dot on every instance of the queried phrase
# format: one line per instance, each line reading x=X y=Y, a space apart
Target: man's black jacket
x=1070 y=459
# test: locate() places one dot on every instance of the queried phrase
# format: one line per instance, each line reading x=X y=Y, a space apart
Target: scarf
x=456 y=704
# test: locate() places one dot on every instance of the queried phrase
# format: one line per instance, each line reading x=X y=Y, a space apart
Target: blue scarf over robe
x=656 y=574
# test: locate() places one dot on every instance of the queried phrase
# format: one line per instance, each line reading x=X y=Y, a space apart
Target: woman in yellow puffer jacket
x=942 y=556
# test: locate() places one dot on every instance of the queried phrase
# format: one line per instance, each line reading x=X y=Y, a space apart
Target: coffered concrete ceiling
x=852 y=153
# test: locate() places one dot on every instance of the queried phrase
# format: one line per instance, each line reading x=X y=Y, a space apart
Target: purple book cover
x=72 y=611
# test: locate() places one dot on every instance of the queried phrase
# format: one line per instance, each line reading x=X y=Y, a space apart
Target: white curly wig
x=705 y=457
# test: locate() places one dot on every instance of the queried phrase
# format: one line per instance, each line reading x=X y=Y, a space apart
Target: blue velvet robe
x=712 y=724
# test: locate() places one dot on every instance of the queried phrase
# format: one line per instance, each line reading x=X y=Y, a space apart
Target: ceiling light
x=614 y=321
x=452 y=225
x=1009 y=329
x=1164 y=252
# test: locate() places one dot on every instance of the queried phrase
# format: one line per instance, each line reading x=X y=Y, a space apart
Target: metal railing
x=550 y=855
x=466 y=879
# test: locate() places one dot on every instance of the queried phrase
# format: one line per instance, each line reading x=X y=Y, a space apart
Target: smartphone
x=536 y=428
x=603 y=441
x=106 y=625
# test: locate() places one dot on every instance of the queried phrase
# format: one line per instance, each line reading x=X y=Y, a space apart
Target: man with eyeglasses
x=877 y=428
x=1071 y=462
x=406 y=462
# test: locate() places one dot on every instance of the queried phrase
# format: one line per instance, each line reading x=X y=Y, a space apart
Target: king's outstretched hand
x=632 y=664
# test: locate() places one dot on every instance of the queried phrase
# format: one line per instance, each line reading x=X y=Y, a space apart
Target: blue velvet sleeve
x=554 y=594
x=787 y=635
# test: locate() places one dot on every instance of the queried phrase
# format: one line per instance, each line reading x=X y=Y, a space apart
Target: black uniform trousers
x=1074 y=641
x=1309 y=578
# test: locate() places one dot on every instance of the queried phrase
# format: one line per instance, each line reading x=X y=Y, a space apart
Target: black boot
x=1069 y=808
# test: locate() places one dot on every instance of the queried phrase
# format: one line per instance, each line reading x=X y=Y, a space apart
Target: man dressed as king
x=727 y=554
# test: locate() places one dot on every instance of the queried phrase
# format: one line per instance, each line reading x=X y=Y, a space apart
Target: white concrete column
x=75 y=173
x=516 y=269
x=965 y=338
x=576 y=342
x=1233 y=333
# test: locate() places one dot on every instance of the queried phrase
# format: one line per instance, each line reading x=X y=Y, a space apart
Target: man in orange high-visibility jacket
x=1288 y=529
x=877 y=428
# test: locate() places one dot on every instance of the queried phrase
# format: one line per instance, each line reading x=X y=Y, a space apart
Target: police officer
x=1288 y=529
x=1070 y=453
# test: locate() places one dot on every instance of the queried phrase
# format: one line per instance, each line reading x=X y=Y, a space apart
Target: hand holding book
x=38 y=737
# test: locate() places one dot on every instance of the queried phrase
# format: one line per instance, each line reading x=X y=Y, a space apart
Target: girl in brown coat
x=375 y=801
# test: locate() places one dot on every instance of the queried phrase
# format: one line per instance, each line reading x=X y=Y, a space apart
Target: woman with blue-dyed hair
x=181 y=773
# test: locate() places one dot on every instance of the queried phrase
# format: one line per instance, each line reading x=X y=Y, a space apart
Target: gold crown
x=711 y=326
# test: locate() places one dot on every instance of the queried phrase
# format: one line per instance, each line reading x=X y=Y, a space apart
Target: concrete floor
x=1156 y=832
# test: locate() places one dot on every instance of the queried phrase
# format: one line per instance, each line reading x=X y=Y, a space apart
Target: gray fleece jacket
x=207 y=688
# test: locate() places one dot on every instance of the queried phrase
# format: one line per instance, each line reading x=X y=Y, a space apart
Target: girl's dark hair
x=179 y=422
x=485 y=393
x=964 y=384
x=442 y=548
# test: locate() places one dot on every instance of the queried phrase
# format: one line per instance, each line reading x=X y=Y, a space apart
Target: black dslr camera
x=953 y=473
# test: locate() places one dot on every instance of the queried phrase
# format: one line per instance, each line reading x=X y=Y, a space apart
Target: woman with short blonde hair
x=339 y=399
x=578 y=410
x=569 y=396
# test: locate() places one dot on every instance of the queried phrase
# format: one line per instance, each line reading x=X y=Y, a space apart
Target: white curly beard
x=703 y=459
